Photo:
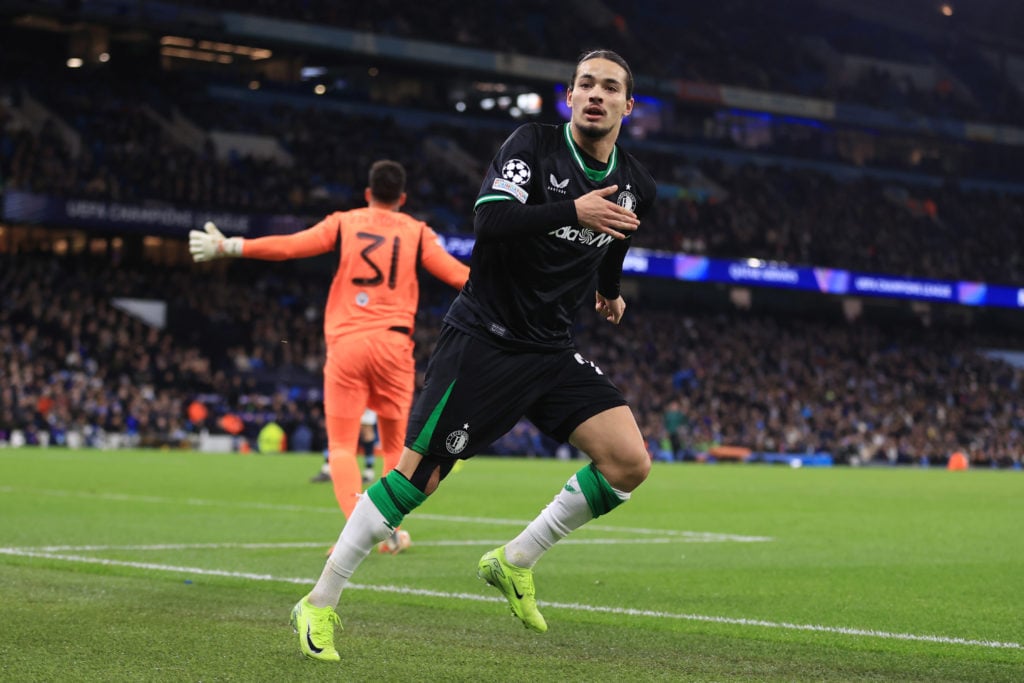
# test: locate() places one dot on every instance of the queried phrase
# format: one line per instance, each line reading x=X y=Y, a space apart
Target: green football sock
x=600 y=495
x=585 y=496
x=395 y=497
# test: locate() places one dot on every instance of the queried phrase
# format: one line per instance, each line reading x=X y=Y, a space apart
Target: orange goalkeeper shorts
x=375 y=371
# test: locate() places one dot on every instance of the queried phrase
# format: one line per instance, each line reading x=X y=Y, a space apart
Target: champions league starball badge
x=517 y=171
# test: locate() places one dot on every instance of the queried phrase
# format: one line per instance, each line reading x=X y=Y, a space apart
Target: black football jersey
x=525 y=291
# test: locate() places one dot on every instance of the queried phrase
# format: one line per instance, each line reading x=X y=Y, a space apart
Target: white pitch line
x=696 y=536
x=708 y=535
x=622 y=611
x=322 y=544
x=172 y=546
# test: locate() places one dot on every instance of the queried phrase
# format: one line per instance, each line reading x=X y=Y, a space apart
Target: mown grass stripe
x=709 y=536
x=578 y=607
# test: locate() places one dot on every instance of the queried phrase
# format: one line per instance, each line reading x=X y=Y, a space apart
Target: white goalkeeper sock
x=567 y=512
x=364 y=529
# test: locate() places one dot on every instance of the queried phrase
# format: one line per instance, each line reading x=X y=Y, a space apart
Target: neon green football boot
x=315 y=626
x=516 y=584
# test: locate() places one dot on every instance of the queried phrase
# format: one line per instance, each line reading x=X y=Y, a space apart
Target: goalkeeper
x=370 y=313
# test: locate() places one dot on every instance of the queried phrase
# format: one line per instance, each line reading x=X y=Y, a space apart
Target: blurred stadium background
x=833 y=272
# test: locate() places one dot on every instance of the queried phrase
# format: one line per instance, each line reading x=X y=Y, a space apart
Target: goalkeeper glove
x=212 y=244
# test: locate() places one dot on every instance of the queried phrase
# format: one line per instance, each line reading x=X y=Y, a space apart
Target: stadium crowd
x=788 y=214
x=76 y=367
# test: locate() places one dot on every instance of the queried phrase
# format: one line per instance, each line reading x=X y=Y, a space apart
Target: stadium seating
x=863 y=393
x=778 y=212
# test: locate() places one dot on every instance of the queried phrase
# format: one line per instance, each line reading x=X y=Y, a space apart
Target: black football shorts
x=476 y=392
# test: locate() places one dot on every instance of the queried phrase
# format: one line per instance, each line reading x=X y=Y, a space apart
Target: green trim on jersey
x=422 y=443
x=601 y=498
x=596 y=176
x=491 y=198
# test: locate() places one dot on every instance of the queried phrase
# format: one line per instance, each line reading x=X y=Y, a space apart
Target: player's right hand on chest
x=595 y=211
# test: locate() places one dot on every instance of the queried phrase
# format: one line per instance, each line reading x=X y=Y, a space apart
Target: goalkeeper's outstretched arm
x=210 y=244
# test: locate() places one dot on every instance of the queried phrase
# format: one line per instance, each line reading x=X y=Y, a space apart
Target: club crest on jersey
x=517 y=171
x=627 y=200
x=457 y=441
x=362 y=298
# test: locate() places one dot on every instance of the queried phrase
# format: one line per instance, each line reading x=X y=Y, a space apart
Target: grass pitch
x=177 y=566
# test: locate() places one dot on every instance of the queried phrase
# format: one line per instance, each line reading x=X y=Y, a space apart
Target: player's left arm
x=609 y=303
x=439 y=262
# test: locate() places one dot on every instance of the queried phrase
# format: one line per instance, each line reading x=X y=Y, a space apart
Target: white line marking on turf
x=695 y=536
x=624 y=611
x=321 y=544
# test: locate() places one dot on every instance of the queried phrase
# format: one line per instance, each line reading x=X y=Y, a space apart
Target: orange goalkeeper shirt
x=376 y=285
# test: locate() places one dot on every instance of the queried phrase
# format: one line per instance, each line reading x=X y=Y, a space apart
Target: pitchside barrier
x=741 y=454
